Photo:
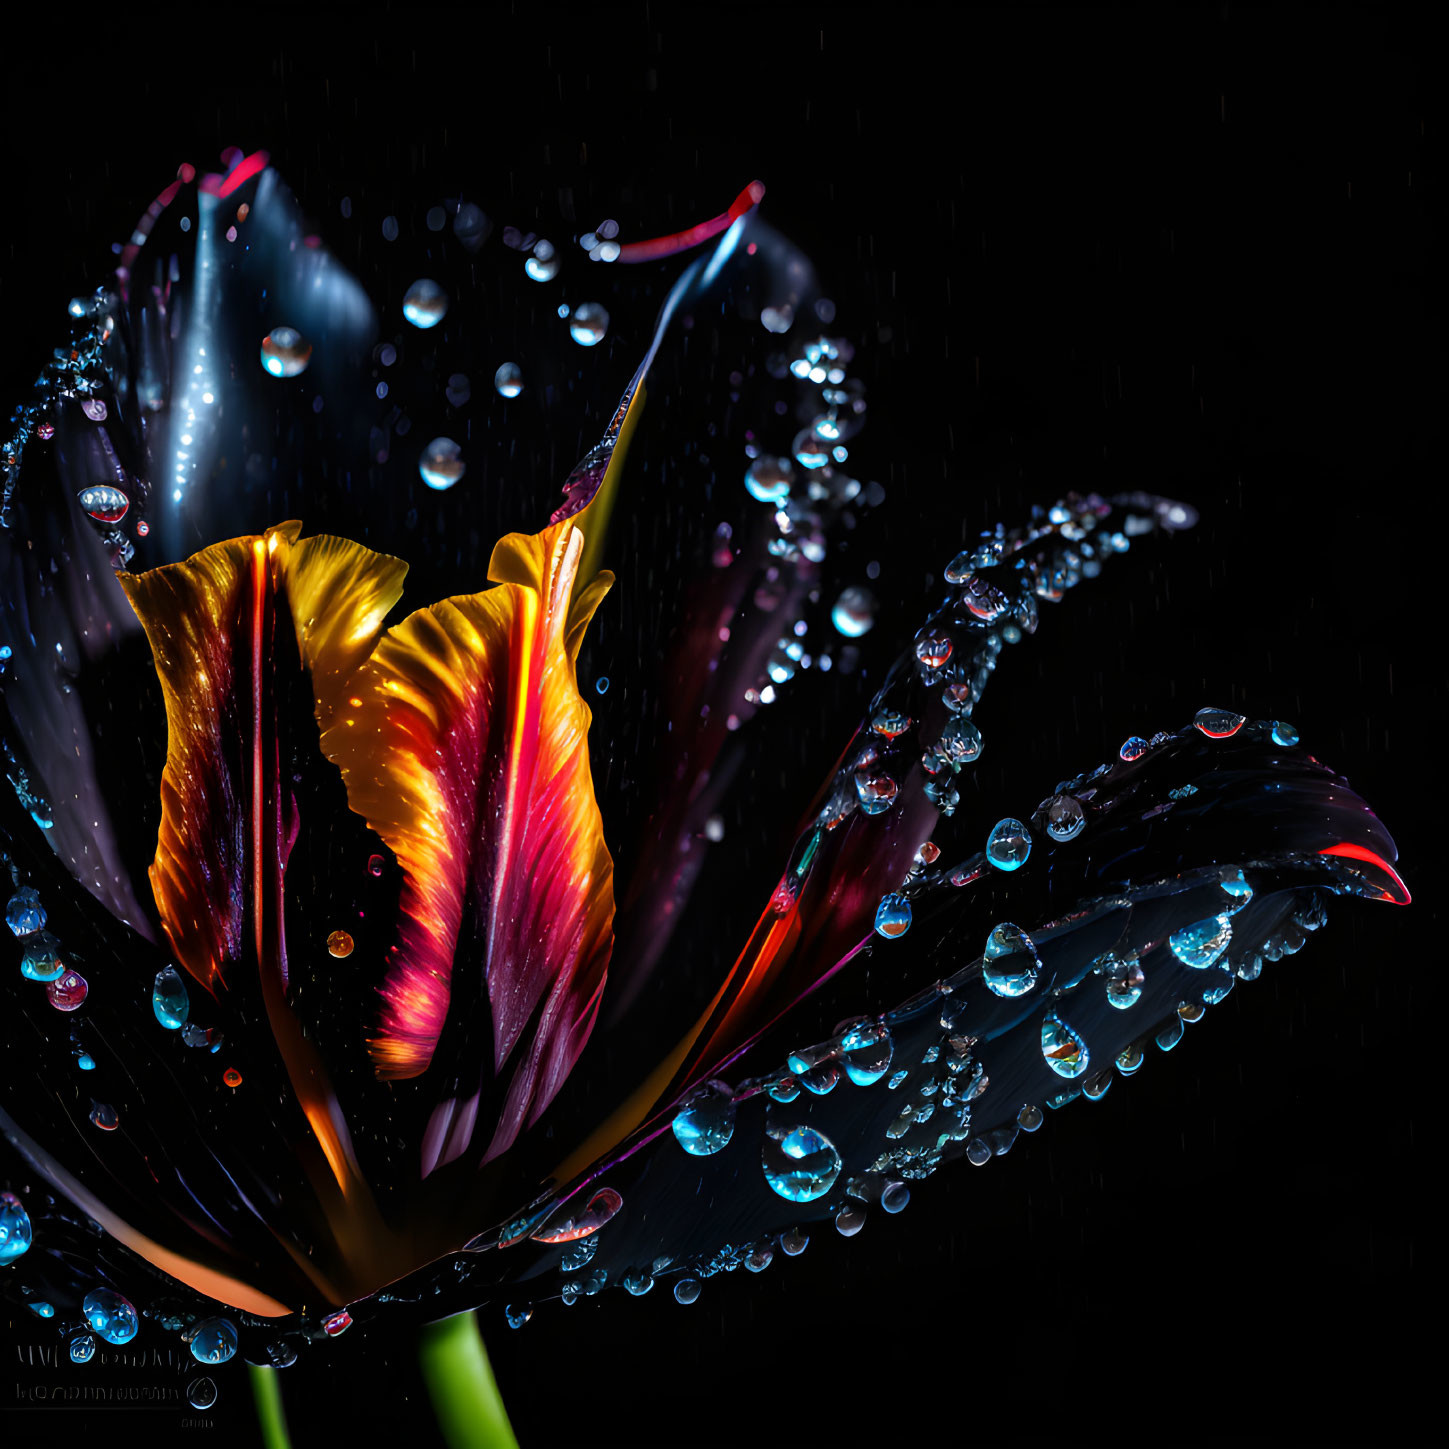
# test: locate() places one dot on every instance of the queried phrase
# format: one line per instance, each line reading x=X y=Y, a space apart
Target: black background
x=1199 y=253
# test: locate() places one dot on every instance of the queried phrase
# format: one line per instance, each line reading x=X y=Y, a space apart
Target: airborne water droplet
x=24 y=914
x=589 y=324
x=40 y=960
x=442 y=465
x=425 y=303
x=508 y=380
x=854 y=612
x=285 y=352
x=169 y=999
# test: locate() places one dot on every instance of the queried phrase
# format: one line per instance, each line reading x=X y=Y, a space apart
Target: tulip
x=322 y=950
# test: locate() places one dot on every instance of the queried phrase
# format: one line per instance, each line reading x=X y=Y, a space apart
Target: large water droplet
x=104 y=503
x=1065 y=818
x=933 y=648
x=960 y=740
x=24 y=914
x=169 y=999
x=1218 y=724
x=1284 y=734
x=895 y=1196
x=850 y=1220
x=800 y=1163
x=686 y=1290
x=201 y=1393
x=1029 y=1118
x=40 y=961
x=1134 y=748
x=110 y=1315
x=865 y=1052
x=1008 y=845
x=600 y=1208
x=213 y=1340
x=589 y=324
x=1065 y=1051
x=15 y=1229
x=285 y=352
x=425 y=303
x=705 y=1124
x=1236 y=888
x=508 y=380
x=441 y=464
x=1010 y=964
x=638 y=1282
x=893 y=916
x=518 y=1314
x=105 y=1116
x=68 y=991
x=768 y=479
x=1200 y=944
x=1124 y=978
x=854 y=612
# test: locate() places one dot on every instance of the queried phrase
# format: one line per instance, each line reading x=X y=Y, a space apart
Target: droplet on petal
x=1200 y=944
x=1065 y=817
x=706 y=1122
x=1133 y=748
x=337 y=1323
x=1218 y=724
x=893 y=916
x=15 y=1228
x=104 y=503
x=800 y=1163
x=1284 y=734
x=1010 y=964
x=24 y=914
x=110 y=1315
x=213 y=1340
x=600 y=1208
x=1008 y=845
x=1065 y=1052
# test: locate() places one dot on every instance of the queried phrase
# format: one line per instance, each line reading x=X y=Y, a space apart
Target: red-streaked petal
x=468 y=754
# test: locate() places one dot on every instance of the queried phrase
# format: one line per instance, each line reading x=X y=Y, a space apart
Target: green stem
x=464 y=1392
x=267 y=1392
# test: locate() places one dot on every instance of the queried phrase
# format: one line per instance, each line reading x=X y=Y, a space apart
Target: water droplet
x=1134 y=748
x=854 y=612
x=110 y=1315
x=893 y=916
x=232 y=1077
x=285 y=352
x=201 y=1393
x=519 y=1314
x=282 y=1354
x=1095 y=1087
x=1065 y=1052
x=213 y=1340
x=15 y=1229
x=104 y=503
x=542 y=268
x=82 y=1348
x=1191 y=1011
x=24 y=914
x=1008 y=845
x=637 y=1282
x=471 y=226
x=1170 y=1034
x=1218 y=724
x=760 y=1258
x=1200 y=944
x=1010 y=964
x=40 y=961
x=1124 y=979
x=896 y=1079
x=508 y=380
x=777 y=319
x=441 y=464
x=337 y=1323
x=83 y=1059
x=978 y=1152
x=686 y=1290
x=1215 y=993
x=169 y=999
x=768 y=479
x=339 y=944
x=95 y=409
x=1235 y=886
x=1065 y=817
x=895 y=1196
x=793 y=1243
x=425 y=303
x=984 y=601
x=865 y=1052
x=705 y=1124
x=375 y=864
x=105 y=1116
x=1128 y=1060
x=800 y=1163
x=599 y=1209
x=68 y=991
x=1284 y=734
x=589 y=324
x=876 y=792
x=960 y=740
x=1029 y=1118
x=43 y=1310
x=849 y=1220
x=933 y=648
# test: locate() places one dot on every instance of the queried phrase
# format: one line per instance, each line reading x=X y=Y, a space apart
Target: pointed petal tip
x=1391 y=886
